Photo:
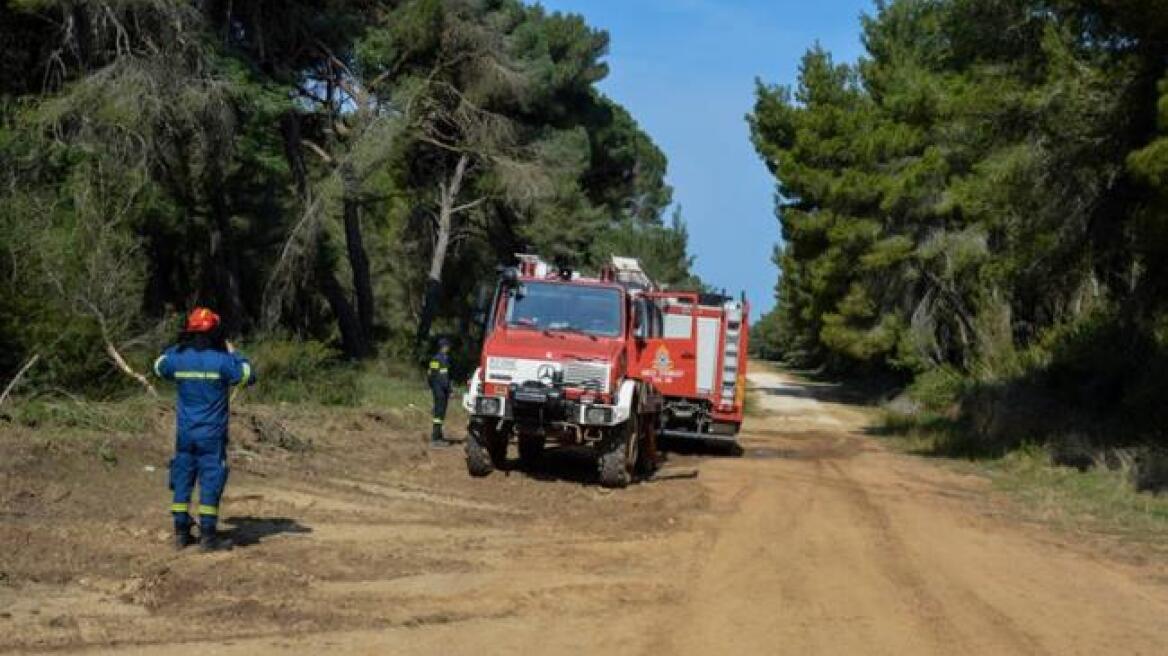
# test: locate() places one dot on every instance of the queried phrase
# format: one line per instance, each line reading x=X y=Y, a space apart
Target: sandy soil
x=816 y=540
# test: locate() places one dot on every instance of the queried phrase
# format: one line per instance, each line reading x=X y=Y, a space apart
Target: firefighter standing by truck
x=206 y=368
x=440 y=389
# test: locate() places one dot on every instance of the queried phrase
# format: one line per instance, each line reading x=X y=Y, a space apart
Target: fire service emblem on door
x=663 y=369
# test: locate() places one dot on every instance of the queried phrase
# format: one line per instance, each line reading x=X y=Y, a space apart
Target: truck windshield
x=570 y=308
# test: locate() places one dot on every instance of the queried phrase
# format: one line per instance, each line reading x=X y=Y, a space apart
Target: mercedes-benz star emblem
x=546 y=371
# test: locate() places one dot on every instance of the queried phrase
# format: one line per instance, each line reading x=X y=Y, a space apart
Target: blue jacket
x=205 y=380
x=440 y=370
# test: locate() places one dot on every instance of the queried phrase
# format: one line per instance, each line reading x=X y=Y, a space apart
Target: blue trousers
x=204 y=461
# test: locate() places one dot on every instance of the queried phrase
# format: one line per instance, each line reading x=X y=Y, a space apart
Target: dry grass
x=1103 y=498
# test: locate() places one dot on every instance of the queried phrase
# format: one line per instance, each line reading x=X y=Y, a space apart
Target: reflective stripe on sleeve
x=180 y=507
x=211 y=511
x=197 y=375
x=246 y=375
x=158 y=365
x=437 y=421
x=434 y=364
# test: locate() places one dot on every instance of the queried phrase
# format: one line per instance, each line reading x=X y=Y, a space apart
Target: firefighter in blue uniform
x=206 y=368
x=440 y=388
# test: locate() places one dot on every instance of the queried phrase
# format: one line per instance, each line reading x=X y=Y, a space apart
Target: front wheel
x=619 y=454
x=648 y=456
x=486 y=448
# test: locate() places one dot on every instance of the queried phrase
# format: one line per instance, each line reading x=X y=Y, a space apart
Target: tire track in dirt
x=897 y=559
x=818 y=541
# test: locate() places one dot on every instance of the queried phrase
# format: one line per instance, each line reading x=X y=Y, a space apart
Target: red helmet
x=201 y=320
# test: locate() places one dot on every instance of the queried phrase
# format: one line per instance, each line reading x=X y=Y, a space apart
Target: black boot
x=437 y=440
x=183 y=538
x=209 y=541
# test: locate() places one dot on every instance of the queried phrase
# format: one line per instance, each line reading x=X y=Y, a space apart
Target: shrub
x=303 y=371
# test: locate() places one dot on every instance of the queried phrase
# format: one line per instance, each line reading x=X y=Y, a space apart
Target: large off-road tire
x=531 y=450
x=486 y=449
x=618 y=455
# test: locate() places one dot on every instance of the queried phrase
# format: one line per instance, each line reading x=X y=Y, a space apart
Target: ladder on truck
x=628 y=272
x=733 y=339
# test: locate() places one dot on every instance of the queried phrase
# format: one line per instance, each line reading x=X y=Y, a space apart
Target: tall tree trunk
x=447 y=197
x=355 y=324
x=352 y=337
x=225 y=259
x=358 y=259
x=290 y=127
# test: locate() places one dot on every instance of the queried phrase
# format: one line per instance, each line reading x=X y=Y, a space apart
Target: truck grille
x=576 y=374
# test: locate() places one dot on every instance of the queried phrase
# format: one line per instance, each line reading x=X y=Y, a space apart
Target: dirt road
x=817 y=540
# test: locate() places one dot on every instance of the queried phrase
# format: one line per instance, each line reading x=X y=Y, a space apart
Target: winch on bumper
x=536 y=404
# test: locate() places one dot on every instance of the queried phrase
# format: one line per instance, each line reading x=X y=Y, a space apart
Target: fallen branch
x=20 y=374
x=129 y=371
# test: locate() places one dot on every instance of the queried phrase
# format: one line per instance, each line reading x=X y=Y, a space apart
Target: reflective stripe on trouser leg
x=212 y=480
x=181 y=513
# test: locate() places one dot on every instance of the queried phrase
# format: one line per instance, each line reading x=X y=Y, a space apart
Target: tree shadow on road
x=826 y=391
x=703 y=448
x=248 y=531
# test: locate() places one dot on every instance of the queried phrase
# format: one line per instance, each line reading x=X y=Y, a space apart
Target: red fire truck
x=611 y=362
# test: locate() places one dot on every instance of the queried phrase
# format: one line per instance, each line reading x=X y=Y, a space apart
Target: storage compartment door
x=707 y=366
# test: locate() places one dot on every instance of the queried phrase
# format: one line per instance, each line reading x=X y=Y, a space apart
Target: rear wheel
x=618 y=457
x=486 y=448
x=531 y=450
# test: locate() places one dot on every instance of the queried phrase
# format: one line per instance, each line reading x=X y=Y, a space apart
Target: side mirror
x=481 y=306
x=509 y=277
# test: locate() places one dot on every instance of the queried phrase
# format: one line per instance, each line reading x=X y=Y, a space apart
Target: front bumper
x=539 y=405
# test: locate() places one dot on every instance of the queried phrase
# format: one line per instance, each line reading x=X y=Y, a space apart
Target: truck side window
x=642 y=320
x=677 y=325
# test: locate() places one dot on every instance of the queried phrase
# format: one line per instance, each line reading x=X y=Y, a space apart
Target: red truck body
x=609 y=362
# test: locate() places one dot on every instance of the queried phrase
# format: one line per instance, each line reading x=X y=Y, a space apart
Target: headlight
x=501 y=365
x=489 y=405
x=596 y=415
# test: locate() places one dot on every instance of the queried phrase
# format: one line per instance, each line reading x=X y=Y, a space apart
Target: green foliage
x=128 y=417
x=279 y=162
x=313 y=373
x=982 y=202
x=661 y=249
x=765 y=337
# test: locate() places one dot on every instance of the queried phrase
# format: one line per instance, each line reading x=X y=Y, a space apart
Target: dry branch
x=16 y=379
x=128 y=370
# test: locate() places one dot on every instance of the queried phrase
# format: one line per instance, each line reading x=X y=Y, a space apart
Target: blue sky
x=686 y=70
